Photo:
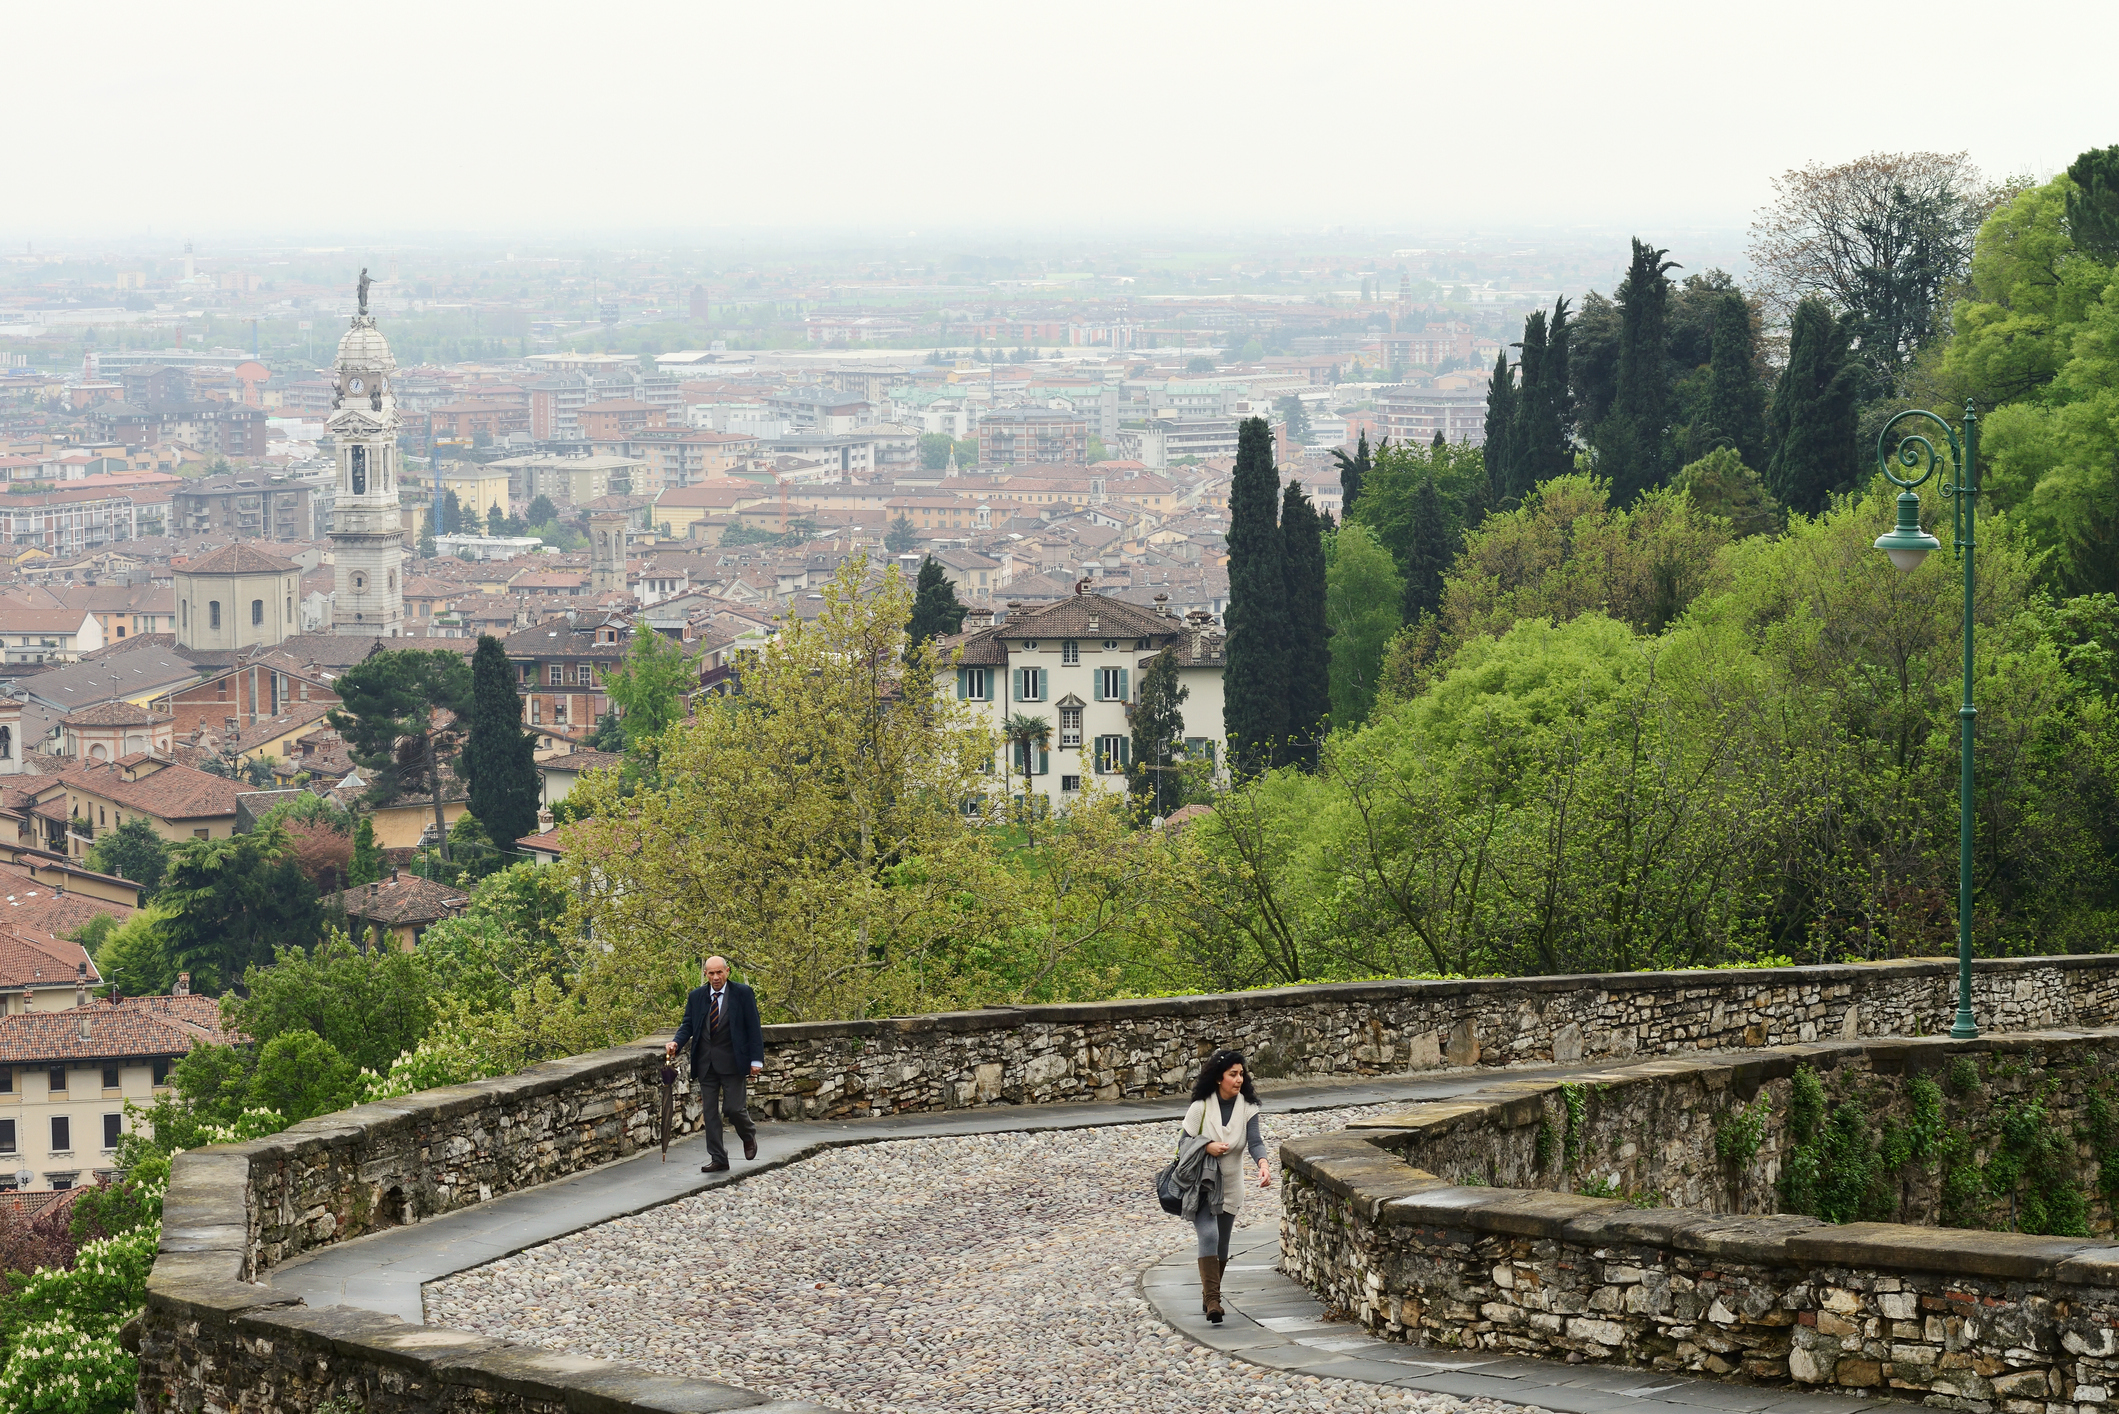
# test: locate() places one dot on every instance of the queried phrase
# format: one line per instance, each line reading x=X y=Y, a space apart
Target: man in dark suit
x=728 y=1047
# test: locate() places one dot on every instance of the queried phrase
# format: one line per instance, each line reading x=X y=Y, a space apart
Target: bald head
x=716 y=971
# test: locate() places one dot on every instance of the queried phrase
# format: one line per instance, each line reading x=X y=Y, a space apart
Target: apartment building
x=1013 y=436
x=66 y=1074
x=678 y=457
x=1078 y=664
x=1410 y=414
x=254 y=507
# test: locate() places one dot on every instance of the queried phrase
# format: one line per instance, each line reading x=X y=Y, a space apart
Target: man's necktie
x=717 y=1009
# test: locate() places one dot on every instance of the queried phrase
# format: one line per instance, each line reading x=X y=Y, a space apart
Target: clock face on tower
x=356 y=386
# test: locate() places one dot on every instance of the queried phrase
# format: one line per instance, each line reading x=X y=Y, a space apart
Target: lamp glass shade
x=1907 y=544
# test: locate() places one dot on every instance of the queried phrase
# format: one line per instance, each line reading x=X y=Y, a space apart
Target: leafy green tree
x=1388 y=501
x=1309 y=658
x=1812 y=421
x=301 y=1075
x=2035 y=342
x=2093 y=204
x=387 y=714
x=1362 y=598
x=135 y=959
x=934 y=450
x=132 y=850
x=1352 y=470
x=1736 y=409
x=427 y=548
x=231 y=902
x=651 y=688
x=1294 y=416
x=609 y=734
x=541 y=510
x=499 y=756
x=512 y=934
x=367 y=863
x=935 y=610
x=1255 y=680
x=901 y=538
x=1157 y=772
x=1720 y=484
x=1631 y=442
x=369 y=1005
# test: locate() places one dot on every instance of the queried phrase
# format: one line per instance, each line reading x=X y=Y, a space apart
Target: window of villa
x=213 y=613
x=257 y=611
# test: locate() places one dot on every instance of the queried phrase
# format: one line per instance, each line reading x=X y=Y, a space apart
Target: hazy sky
x=379 y=119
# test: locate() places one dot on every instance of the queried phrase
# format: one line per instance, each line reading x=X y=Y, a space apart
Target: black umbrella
x=669 y=1081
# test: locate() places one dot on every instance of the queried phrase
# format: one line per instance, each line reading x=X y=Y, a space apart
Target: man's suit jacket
x=746 y=1037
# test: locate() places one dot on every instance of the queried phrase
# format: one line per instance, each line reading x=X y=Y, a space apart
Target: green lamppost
x=1908 y=545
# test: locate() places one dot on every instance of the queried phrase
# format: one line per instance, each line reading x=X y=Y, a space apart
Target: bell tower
x=367 y=532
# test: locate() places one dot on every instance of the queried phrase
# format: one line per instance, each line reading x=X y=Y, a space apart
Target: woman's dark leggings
x=1213 y=1229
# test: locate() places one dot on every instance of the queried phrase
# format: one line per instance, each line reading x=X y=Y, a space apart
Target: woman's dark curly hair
x=1217 y=1066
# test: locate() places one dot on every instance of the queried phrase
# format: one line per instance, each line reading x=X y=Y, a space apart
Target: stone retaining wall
x=1143 y=1049
x=1959 y=1318
x=215 y=1336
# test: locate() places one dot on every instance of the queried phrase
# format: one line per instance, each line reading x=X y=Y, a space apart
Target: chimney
x=81 y=985
x=545 y=820
x=393 y=873
x=183 y=986
x=84 y=1028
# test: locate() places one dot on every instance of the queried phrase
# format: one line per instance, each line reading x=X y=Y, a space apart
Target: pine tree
x=935 y=610
x=1351 y=472
x=366 y=866
x=1530 y=365
x=452 y=514
x=2093 y=204
x=1428 y=556
x=900 y=538
x=1812 y=420
x=1255 y=679
x=1631 y=438
x=1500 y=425
x=1436 y=443
x=1159 y=736
x=494 y=520
x=499 y=755
x=1309 y=657
x=1736 y=404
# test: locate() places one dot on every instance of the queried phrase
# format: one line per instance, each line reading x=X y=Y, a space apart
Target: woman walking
x=1225 y=1112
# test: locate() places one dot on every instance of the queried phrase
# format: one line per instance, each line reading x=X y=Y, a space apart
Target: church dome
x=363 y=347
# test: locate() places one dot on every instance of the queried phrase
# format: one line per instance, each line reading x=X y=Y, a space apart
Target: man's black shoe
x=717 y=1166
x=750 y=1148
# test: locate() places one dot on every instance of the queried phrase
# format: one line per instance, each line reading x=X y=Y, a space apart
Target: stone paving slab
x=1272 y=1321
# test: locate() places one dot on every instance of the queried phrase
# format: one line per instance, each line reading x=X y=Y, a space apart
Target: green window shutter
x=1096 y=684
x=1125 y=685
x=1044 y=762
x=1125 y=747
x=963 y=687
x=1018 y=684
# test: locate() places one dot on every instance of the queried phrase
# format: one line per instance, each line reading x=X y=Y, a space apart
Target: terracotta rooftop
x=402 y=899
x=239 y=558
x=170 y=792
x=110 y=714
x=119 y=1029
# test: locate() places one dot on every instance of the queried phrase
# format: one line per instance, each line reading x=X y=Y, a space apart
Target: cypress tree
x=1736 y=404
x=1427 y=557
x=935 y=610
x=1500 y=424
x=1309 y=656
x=1522 y=455
x=1159 y=736
x=499 y=755
x=1538 y=447
x=1255 y=680
x=1813 y=415
x=1437 y=444
x=1352 y=471
x=2093 y=203
x=366 y=866
x=1632 y=436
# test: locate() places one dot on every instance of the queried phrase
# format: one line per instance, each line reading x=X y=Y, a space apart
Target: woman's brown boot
x=1210 y=1288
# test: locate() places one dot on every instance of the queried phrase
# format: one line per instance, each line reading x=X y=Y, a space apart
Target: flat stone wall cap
x=1762 y=1237
x=1438 y=1114
x=1628 y=1226
x=349 y=1332
x=2008 y=1255
x=207 y=1296
x=204 y=1237
x=2098 y=1266
x=1517 y=1212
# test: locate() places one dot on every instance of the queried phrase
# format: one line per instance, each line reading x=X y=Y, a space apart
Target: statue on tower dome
x=364 y=289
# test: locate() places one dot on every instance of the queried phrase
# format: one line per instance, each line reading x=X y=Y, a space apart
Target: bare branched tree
x=1882 y=239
